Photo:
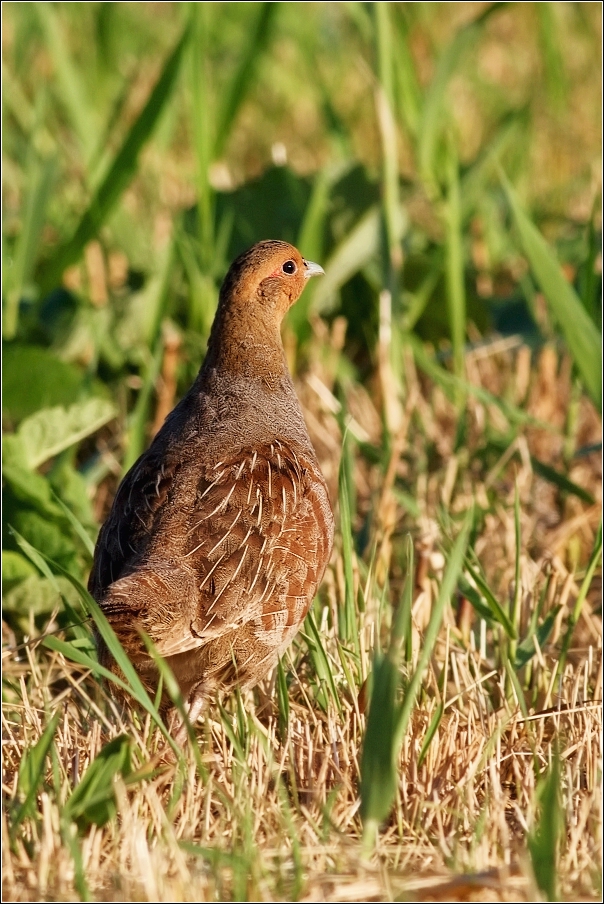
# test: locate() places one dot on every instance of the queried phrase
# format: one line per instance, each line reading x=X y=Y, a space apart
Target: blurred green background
x=146 y=144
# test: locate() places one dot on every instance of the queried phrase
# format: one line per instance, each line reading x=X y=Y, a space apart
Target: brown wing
x=261 y=541
x=127 y=532
x=249 y=549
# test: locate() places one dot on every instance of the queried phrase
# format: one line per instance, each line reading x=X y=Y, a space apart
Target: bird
x=219 y=535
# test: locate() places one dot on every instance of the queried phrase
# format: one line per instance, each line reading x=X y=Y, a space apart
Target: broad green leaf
x=15 y=568
x=45 y=533
x=581 y=334
x=36 y=595
x=50 y=431
x=34 y=378
x=28 y=487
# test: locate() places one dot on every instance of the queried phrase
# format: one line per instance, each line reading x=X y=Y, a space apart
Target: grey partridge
x=220 y=533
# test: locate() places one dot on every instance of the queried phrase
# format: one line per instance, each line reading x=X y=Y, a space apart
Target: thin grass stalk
x=119 y=174
x=582 y=336
x=137 y=428
x=203 y=128
x=579 y=602
x=447 y=588
x=388 y=720
x=454 y=266
x=517 y=596
x=390 y=176
x=72 y=92
x=347 y=614
x=256 y=41
x=42 y=175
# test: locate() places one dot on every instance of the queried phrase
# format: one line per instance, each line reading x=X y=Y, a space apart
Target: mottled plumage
x=220 y=533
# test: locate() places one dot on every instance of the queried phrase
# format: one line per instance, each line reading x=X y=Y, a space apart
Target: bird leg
x=194 y=707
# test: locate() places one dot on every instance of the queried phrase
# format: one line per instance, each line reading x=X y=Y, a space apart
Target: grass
x=434 y=731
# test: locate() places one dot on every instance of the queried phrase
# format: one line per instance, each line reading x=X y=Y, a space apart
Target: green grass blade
x=433 y=117
x=551 y=55
x=358 y=247
x=133 y=684
x=497 y=611
x=581 y=334
x=454 y=264
x=120 y=172
x=407 y=599
x=450 y=578
x=320 y=659
x=282 y=701
x=93 y=799
x=514 y=681
x=72 y=844
x=31 y=770
x=544 y=840
x=407 y=87
x=69 y=81
x=78 y=528
x=388 y=721
x=203 y=126
x=453 y=384
x=256 y=42
x=385 y=115
x=378 y=762
x=41 y=177
x=560 y=480
x=576 y=613
x=473 y=184
x=434 y=723
x=516 y=599
x=347 y=616
x=138 y=439
x=74 y=654
x=527 y=649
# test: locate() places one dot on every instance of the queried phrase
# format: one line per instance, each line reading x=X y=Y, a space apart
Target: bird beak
x=311 y=269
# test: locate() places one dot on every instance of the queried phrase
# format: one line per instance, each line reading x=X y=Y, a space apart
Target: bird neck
x=245 y=342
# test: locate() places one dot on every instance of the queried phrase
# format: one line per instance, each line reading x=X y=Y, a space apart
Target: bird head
x=271 y=272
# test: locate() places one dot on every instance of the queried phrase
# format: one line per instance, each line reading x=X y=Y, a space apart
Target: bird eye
x=289 y=267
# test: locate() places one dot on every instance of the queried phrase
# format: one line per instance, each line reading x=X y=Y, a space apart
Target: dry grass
x=273 y=815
